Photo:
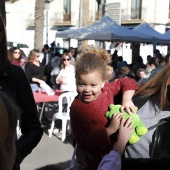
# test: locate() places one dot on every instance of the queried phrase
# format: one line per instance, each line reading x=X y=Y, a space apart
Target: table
x=41 y=97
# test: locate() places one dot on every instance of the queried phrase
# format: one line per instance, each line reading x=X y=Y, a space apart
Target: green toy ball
x=139 y=129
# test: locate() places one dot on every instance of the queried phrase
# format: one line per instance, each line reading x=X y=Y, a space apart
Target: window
x=98 y=3
x=136 y=8
x=67 y=6
x=97 y=7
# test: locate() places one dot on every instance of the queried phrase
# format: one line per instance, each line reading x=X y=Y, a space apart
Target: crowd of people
x=99 y=79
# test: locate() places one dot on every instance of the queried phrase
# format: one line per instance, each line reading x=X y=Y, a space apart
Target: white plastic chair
x=64 y=98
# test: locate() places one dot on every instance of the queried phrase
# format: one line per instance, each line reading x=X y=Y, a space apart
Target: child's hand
x=129 y=106
x=114 y=124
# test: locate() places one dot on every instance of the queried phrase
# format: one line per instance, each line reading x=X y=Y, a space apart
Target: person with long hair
x=153 y=102
x=14 y=83
x=34 y=70
x=15 y=55
x=66 y=76
x=9 y=114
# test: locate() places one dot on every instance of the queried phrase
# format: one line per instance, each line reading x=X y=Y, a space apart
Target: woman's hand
x=59 y=80
x=114 y=124
x=125 y=131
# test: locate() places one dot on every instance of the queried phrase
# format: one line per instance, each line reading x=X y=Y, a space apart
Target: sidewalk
x=51 y=152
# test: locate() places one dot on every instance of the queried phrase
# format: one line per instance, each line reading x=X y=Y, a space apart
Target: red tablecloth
x=43 y=97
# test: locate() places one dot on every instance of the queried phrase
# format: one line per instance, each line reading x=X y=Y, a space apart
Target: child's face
x=89 y=86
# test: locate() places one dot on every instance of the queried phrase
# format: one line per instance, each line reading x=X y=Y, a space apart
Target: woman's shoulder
x=17 y=72
x=28 y=64
x=71 y=67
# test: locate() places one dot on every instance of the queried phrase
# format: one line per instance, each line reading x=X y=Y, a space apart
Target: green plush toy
x=138 y=126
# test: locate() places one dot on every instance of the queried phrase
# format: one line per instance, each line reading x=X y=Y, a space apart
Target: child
x=8 y=123
x=113 y=159
x=87 y=113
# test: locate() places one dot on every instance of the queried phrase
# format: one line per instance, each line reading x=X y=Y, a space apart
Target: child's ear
x=103 y=83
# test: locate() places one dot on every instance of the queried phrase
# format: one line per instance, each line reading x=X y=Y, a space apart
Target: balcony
x=94 y=17
x=132 y=16
x=29 y=21
x=60 y=19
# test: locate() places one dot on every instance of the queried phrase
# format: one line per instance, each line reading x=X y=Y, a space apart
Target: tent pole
x=154 y=45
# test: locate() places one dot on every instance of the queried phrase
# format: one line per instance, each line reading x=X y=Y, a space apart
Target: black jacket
x=15 y=84
x=160 y=156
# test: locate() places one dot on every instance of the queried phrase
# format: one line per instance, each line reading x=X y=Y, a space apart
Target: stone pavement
x=51 y=152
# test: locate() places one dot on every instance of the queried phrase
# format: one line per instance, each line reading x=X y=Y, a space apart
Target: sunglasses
x=16 y=52
x=66 y=59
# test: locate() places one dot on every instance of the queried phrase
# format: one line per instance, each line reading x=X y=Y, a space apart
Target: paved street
x=50 y=152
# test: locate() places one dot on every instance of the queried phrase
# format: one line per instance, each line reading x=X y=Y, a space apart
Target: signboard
x=113 y=11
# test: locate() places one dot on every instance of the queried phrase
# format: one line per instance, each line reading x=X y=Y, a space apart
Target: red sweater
x=88 y=120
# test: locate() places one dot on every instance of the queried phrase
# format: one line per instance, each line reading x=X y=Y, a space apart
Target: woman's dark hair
x=11 y=51
x=9 y=114
x=153 y=61
x=4 y=61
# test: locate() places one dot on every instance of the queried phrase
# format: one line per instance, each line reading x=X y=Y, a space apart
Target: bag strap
x=72 y=163
x=161 y=122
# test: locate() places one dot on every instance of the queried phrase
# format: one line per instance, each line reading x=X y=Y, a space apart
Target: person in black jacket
x=153 y=102
x=14 y=82
x=9 y=113
x=46 y=62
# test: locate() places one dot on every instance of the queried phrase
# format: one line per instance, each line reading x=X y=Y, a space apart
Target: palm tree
x=39 y=24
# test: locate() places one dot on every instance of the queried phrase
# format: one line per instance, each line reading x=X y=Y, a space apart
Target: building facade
x=70 y=14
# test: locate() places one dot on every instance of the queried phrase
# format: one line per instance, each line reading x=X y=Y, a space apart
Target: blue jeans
x=34 y=87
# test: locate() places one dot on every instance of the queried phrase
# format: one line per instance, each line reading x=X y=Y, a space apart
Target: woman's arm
x=30 y=125
x=113 y=159
x=36 y=80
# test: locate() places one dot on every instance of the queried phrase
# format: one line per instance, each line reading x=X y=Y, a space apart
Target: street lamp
x=47 y=7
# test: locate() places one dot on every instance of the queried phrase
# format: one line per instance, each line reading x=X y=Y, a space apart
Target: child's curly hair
x=93 y=59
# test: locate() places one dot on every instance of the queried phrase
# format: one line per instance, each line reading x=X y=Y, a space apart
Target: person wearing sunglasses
x=15 y=55
x=34 y=70
x=66 y=77
x=14 y=83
